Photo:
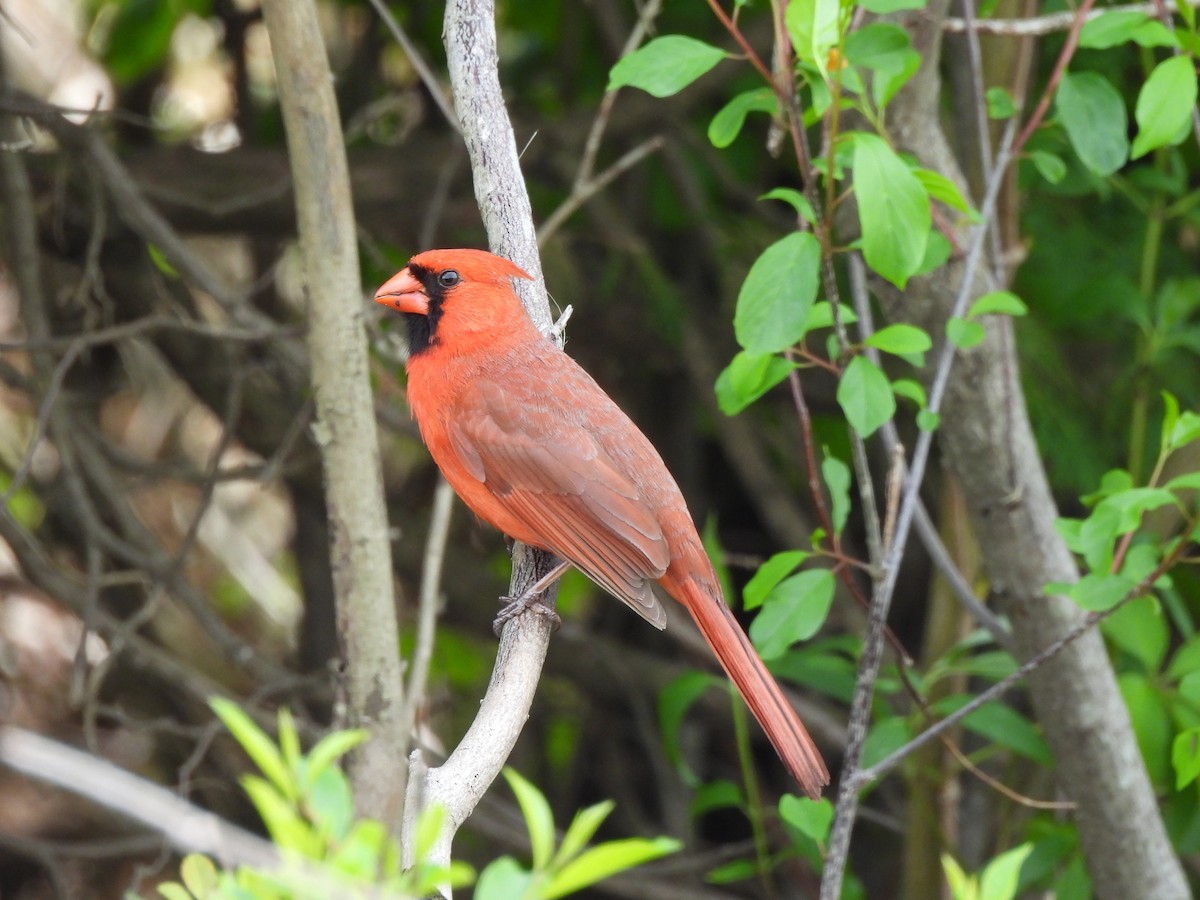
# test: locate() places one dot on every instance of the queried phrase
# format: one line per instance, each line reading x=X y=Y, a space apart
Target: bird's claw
x=514 y=606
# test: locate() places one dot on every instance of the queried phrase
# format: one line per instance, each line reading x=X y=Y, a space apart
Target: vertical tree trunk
x=345 y=427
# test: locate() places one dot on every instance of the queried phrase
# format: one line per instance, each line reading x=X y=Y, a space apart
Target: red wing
x=546 y=468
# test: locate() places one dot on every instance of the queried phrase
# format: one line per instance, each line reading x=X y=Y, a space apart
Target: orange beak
x=403 y=292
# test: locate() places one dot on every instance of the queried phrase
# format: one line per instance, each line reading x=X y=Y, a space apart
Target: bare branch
x=428 y=78
x=1037 y=26
x=872 y=655
x=345 y=425
x=187 y=827
x=427 y=603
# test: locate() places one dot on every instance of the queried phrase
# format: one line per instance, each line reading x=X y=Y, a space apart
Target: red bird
x=537 y=449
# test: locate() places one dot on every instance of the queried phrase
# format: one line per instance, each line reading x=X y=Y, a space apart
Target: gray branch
x=458 y=784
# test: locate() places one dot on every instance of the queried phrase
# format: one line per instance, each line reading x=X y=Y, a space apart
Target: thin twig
x=975 y=60
x=1164 y=15
x=188 y=828
x=1060 y=69
x=581 y=193
x=1037 y=26
x=926 y=530
x=847 y=805
x=865 y=777
x=591 y=147
x=149 y=324
x=428 y=78
x=428 y=601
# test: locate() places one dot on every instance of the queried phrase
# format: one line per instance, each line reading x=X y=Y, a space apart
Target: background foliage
x=178 y=482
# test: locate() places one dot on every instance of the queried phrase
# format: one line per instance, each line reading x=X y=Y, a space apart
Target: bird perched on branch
x=538 y=450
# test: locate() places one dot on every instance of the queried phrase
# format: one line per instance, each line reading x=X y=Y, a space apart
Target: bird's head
x=453 y=294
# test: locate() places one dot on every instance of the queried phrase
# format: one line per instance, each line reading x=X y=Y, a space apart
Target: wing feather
x=545 y=466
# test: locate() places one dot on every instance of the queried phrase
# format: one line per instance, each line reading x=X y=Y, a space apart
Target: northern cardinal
x=537 y=449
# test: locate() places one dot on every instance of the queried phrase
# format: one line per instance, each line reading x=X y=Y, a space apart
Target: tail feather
x=757 y=686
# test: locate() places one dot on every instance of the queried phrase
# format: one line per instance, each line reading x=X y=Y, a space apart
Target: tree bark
x=988 y=443
x=345 y=426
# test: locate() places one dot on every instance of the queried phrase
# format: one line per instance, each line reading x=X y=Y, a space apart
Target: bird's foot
x=514 y=606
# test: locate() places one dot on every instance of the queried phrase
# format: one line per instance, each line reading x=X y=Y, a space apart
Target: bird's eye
x=449 y=278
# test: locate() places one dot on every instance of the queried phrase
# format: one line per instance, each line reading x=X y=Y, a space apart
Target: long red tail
x=759 y=689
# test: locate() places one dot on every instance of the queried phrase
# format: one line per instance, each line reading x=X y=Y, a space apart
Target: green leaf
x=893 y=209
x=998 y=303
x=732 y=872
x=1186 y=430
x=503 y=879
x=1000 y=877
x=1130 y=505
x=258 y=746
x=820 y=315
x=331 y=748
x=1187 y=482
x=140 y=37
x=1186 y=659
x=674 y=701
x=1005 y=726
x=928 y=420
x=1000 y=104
x=962 y=885
x=330 y=804
x=837 y=478
x=937 y=251
x=1164 y=105
x=883 y=7
x=1140 y=629
x=794 y=611
x=716 y=795
x=747 y=377
x=769 y=574
x=198 y=874
x=912 y=390
x=964 y=333
x=878 y=45
x=1093 y=114
x=607 y=860
x=1110 y=29
x=161 y=262
x=812 y=26
x=1185 y=757
x=1151 y=723
x=894 y=75
x=289 y=742
x=665 y=65
x=429 y=827
x=1155 y=34
x=171 y=892
x=581 y=830
x=884 y=738
x=812 y=818
x=900 y=340
x=798 y=201
x=779 y=290
x=284 y=823
x=538 y=817
x=727 y=123
x=1050 y=166
x=865 y=395
x=1097 y=593
x=941 y=188
x=1187 y=12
